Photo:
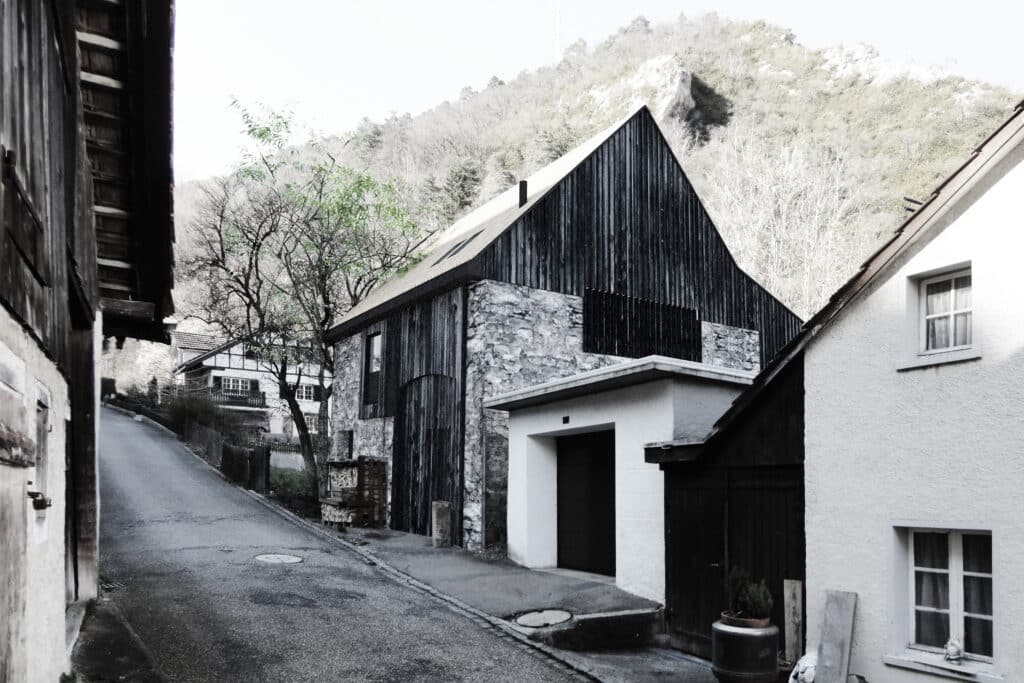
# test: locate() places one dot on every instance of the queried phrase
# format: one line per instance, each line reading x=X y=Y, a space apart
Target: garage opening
x=586 y=502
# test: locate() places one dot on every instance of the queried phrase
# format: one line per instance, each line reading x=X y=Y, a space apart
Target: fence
x=248 y=467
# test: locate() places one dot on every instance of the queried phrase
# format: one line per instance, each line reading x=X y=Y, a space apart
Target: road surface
x=177 y=556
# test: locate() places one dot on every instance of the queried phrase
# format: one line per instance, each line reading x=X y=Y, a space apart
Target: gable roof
x=194 y=340
x=452 y=260
x=219 y=347
x=944 y=205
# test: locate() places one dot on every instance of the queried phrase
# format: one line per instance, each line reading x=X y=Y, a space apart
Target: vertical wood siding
x=421 y=385
x=740 y=505
x=627 y=221
x=626 y=326
x=46 y=235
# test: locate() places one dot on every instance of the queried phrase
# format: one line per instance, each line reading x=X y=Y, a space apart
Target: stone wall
x=371 y=438
x=730 y=347
x=515 y=337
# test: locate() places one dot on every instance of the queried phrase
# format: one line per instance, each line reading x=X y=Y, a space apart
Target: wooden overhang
x=125 y=76
x=630 y=373
x=661 y=452
x=953 y=196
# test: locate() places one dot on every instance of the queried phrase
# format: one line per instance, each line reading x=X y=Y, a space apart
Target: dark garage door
x=586 y=502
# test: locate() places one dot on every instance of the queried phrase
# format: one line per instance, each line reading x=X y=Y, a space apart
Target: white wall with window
x=915 y=452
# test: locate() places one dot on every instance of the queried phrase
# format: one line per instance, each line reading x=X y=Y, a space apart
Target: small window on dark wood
x=372 y=363
x=626 y=326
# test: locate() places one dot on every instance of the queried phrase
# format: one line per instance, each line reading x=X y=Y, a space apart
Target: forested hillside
x=802 y=156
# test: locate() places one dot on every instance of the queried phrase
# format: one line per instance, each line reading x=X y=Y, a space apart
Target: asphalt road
x=177 y=556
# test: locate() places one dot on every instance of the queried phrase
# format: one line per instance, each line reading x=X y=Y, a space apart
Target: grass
x=292 y=488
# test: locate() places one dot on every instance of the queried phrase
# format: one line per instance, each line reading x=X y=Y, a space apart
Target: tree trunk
x=323 y=451
x=305 y=440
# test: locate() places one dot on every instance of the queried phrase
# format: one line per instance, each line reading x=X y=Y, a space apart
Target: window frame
x=923 y=316
x=956 y=573
x=371 y=377
x=303 y=389
x=225 y=380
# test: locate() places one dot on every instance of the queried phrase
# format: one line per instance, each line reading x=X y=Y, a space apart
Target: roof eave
x=460 y=275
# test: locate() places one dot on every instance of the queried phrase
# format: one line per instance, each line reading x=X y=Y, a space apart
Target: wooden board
x=836 y=637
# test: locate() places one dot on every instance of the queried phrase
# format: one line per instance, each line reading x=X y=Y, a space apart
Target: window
x=305 y=392
x=372 y=365
x=951 y=591
x=234 y=386
x=946 y=316
x=311 y=422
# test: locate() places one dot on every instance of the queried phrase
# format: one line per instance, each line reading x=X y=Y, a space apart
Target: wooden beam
x=141 y=310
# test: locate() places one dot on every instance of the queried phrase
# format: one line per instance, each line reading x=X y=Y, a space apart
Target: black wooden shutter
x=218 y=382
x=254 y=386
x=317 y=393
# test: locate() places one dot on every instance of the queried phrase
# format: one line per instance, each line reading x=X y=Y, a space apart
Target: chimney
x=522 y=193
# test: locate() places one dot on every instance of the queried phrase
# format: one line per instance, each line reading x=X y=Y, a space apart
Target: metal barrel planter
x=742 y=654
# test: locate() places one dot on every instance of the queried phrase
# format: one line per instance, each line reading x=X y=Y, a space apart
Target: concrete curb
x=141 y=418
x=482 y=619
x=123 y=411
x=156 y=424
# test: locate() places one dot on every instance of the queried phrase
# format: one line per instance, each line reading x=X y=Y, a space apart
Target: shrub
x=287 y=483
x=748 y=598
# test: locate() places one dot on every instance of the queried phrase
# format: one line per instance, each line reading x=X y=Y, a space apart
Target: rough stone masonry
x=516 y=337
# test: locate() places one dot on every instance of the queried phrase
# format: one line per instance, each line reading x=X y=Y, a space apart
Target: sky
x=333 y=62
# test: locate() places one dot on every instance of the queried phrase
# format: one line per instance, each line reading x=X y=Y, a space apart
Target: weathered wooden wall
x=421 y=385
x=741 y=504
x=628 y=221
x=46 y=252
x=626 y=326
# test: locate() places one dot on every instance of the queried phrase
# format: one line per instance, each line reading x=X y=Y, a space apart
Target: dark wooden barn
x=616 y=232
x=70 y=134
x=735 y=500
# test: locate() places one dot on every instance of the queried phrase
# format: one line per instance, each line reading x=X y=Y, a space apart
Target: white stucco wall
x=655 y=411
x=34 y=377
x=939 y=447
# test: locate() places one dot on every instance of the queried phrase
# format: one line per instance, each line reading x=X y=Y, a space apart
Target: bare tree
x=284 y=248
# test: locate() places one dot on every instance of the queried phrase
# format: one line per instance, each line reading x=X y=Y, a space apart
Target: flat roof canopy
x=639 y=371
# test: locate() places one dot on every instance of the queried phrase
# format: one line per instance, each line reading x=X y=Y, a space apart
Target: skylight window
x=457 y=247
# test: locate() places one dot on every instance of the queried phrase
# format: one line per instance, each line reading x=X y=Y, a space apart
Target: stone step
x=604 y=630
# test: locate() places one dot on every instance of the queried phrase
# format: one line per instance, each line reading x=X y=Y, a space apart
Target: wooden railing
x=247 y=399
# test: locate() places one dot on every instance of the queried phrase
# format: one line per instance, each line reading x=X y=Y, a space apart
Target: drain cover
x=277 y=558
x=542 y=618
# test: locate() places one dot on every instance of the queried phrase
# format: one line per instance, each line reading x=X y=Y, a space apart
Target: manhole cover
x=277 y=558
x=542 y=618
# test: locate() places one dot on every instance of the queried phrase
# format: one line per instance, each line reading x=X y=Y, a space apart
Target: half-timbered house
x=232 y=375
x=84 y=116
x=604 y=255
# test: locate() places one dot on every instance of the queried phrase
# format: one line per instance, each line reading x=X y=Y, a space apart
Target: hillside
x=802 y=156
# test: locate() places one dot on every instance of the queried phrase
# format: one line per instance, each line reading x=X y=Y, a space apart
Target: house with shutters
x=86 y=253
x=232 y=375
x=604 y=256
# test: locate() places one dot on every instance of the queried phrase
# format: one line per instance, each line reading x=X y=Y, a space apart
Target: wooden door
x=695 y=559
x=586 y=502
x=427 y=463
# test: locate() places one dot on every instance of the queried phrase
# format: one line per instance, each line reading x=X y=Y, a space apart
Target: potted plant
x=744 y=644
